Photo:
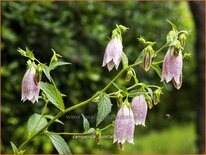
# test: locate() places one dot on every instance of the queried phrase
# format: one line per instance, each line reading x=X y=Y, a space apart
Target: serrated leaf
x=55 y=64
x=86 y=124
x=51 y=117
x=140 y=57
x=104 y=108
x=14 y=148
x=46 y=71
x=124 y=60
x=53 y=95
x=35 y=124
x=120 y=87
x=59 y=143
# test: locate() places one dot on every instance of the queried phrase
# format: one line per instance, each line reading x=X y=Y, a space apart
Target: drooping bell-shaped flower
x=139 y=108
x=30 y=88
x=113 y=53
x=124 y=126
x=172 y=67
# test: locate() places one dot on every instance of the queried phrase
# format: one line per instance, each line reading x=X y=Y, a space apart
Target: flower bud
x=172 y=36
x=119 y=99
x=149 y=53
x=156 y=97
x=182 y=39
x=98 y=136
x=129 y=75
x=149 y=101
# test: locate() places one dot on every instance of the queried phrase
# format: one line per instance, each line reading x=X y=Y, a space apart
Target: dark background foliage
x=79 y=31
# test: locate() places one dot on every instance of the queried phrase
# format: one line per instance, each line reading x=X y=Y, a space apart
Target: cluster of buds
x=127 y=117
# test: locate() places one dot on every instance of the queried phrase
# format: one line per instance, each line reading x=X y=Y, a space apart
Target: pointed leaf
x=85 y=123
x=157 y=69
x=14 y=148
x=59 y=143
x=53 y=94
x=46 y=71
x=35 y=123
x=140 y=57
x=55 y=64
x=104 y=108
x=124 y=60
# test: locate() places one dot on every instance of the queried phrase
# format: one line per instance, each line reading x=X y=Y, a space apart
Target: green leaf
x=55 y=64
x=124 y=60
x=140 y=57
x=120 y=87
x=29 y=54
x=59 y=143
x=53 y=95
x=46 y=71
x=104 y=108
x=85 y=123
x=22 y=52
x=35 y=124
x=14 y=148
x=51 y=117
x=157 y=69
x=91 y=130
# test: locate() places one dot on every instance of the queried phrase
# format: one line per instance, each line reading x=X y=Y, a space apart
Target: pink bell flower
x=30 y=89
x=139 y=108
x=124 y=126
x=172 y=67
x=113 y=54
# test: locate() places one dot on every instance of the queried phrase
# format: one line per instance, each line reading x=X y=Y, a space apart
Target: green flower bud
x=182 y=39
x=149 y=101
x=54 y=58
x=129 y=75
x=98 y=135
x=156 y=98
x=171 y=36
x=119 y=99
x=149 y=53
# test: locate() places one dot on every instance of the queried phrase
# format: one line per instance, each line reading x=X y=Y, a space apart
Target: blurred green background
x=80 y=31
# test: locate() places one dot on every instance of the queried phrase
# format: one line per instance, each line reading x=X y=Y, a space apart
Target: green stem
x=75 y=106
x=43 y=111
x=72 y=134
x=165 y=45
x=108 y=126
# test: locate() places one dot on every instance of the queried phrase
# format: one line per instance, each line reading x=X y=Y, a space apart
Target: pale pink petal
x=124 y=126
x=110 y=65
x=139 y=108
x=113 y=53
